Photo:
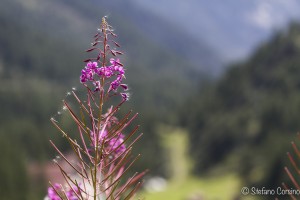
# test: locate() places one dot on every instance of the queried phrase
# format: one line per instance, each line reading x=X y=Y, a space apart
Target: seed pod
x=116 y=44
x=119 y=52
x=87 y=60
x=89 y=50
x=113 y=52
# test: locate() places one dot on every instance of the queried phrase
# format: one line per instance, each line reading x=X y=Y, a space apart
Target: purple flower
x=86 y=75
x=125 y=96
x=117 y=66
x=119 y=69
x=91 y=65
x=116 y=144
x=104 y=71
x=71 y=194
x=116 y=69
x=100 y=136
x=99 y=71
x=108 y=72
x=124 y=86
x=97 y=85
x=52 y=195
x=83 y=77
x=115 y=84
x=115 y=62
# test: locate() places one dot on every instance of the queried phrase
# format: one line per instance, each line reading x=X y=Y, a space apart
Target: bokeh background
x=216 y=83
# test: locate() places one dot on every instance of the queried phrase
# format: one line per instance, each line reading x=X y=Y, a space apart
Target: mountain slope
x=248 y=118
x=41 y=53
x=42 y=46
x=40 y=20
x=172 y=37
x=234 y=28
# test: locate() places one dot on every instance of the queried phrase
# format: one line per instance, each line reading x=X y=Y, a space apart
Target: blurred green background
x=217 y=88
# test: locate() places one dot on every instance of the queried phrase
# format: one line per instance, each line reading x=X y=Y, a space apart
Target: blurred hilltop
x=235 y=28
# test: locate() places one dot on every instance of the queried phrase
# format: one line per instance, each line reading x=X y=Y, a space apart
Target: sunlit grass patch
x=225 y=187
x=182 y=185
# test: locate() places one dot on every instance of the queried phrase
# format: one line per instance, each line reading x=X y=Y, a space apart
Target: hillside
x=38 y=57
x=171 y=36
x=42 y=46
x=246 y=120
x=234 y=28
x=145 y=56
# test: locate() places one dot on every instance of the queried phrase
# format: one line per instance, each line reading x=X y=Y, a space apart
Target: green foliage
x=248 y=118
x=37 y=63
x=223 y=187
x=40 y=54
x=14 y=181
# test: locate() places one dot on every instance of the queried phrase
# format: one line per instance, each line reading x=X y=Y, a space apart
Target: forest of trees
x=247 y=119
x=38 y=67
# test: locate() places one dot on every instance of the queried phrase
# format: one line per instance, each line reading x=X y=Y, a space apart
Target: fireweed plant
x=102 y=149
x=294 y=159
